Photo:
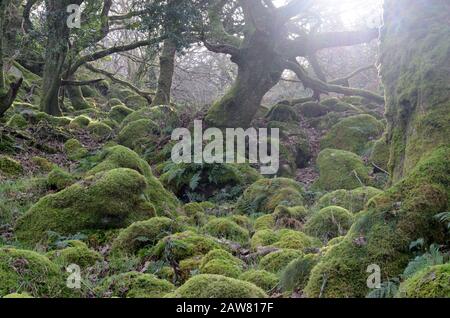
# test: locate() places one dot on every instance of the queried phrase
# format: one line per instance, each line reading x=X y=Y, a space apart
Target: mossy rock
x=263 y=237
x=296 y=215
x=88 y=91
x=225 y=228
x=59 y=179
x=119 y=112
x=17 y=121
x=23 y=271
x=78 y=122
x=136 y=102
x=164 y=202
x=196 y=212
x=382 y=234
x=134 y=285
x=74 y=149
x=99 y=130
x=165 y=117
x=329 y=223
x=217 y=286
x=431 y=282
x=265 y=280
x=380 y=154
x=339 y=106
x=281 y=112
x=353 y=133
x=111 y=199
x=340 y=169
x=43 y=164
x=77 y=253
x=265 y=222
x=137 y=132
x=296 y=274
x=184 y=245
x=312 y=110
x=276 y=261
x=221 y=262
x=10 y=167
x=291 y=239
x=143 y=234
x=208 y=181
x=352 y=200
x=266 y=194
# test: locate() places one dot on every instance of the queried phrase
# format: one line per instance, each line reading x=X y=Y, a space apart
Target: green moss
x=217 y=286
x=100 y=130
x=74 y=149
x=281 y=112
x=352 y=200
x=76 y=252
x=59 y=179
x=136 y=102
x=119 y=112
x=115 y=157
x=353 y=133
x=380 y=154
x=383 y=232
x=221 y=262
x=17 y=121
x=143 y=234
x=165 y=118
x=341 y=169
x=117 y=102
x=43 y=164
x=107 y=200
x=80 y=122
x=134 y=285
x=17 y=295
x=275 y=262
x=329 y=223
x=432 y=282
x=266 y=194
x=137 y=132
x=53 y=120
x=9 y=166
x=295 y=276
x=23 y=271
x=339 y=106
x=225 y=228
x=263 y=279
x=295 y=216
x=264 y=237
x=290 y=239
x=312 y=110
x=265 y=222
x=184 y=245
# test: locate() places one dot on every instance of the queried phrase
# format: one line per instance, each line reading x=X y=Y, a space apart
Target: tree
x=266 y=48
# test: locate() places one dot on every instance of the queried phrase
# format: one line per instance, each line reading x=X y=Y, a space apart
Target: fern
x=387 y=290
x=195 y=180
x=432 y=257
x=444 y=218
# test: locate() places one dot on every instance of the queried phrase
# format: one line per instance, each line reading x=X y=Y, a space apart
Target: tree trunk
x=55 y=54
x=76 y=95
x=415 y=69
x=258 y=72
x=167 y=67
x=416 y=79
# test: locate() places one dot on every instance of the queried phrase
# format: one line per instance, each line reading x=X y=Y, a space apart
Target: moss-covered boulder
x=42 y=164
x=143 y=234
x=226 y=228
x=383 y=233
x=217 y=286
x=164 y=202
x=136 y=133
x=290 y=217
x=165 y=117
x=134 y=285
x=59 y=179
x=136 y=102
x=352 y=200
x=17 y=121
x=312 y=110
x=263 y=237
x=119 y=112
x=75 y=252
x=111 y=199
x=380 y=154
x=220 y=182
x=99 y=130
x=276 y=261
x=296 y=274
x=340 y=169
x=10 y=167
x=329 y=223
x=23 y=271
x=184 y=245
x=281 y=112
x=353 y=133
x=266 y=194
x=74 y=149
x=265 y=280
x=432 y=282
x=291 y=239
x=221 y=262
x=265 y=222
x=81 y=121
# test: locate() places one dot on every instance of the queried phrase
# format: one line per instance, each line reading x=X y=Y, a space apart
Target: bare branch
x=80 y=83
x=294 y=8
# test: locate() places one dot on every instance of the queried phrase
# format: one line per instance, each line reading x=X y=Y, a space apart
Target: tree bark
x=166 y=70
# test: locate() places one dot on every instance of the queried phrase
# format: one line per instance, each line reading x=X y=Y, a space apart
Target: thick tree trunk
x=167 y=67
x=55 y=54
x=415 y=68
x=258 y=72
